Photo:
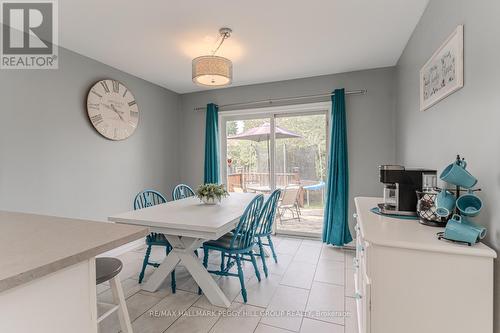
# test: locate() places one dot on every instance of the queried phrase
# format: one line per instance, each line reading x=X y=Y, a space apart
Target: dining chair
x=265 y=227
x=289 y=202
x=238 y=243
x=182 y=191
x=144 y=199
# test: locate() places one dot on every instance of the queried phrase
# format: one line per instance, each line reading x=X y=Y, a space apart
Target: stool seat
x=106 y=269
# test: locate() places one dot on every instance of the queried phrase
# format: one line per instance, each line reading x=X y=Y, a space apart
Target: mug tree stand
x=458 y=189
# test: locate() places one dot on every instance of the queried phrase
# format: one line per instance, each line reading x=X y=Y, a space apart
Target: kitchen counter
x=32 y=246
x=409 y=234
x=406 y=280
x=47 y=271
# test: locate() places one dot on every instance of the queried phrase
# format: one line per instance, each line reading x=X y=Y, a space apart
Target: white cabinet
x=362 y=285
x=408 y=281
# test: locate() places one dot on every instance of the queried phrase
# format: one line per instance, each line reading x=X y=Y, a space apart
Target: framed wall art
x=443 y=73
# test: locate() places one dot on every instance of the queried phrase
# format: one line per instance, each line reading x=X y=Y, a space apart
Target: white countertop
x=32 y=246
x=410 y=234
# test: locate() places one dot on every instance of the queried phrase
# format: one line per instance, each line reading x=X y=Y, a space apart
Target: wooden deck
x=311 y=221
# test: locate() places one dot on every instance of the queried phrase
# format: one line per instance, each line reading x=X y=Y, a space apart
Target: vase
x=210 y=201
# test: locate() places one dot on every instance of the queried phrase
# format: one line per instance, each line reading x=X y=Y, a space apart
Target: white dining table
x=186 y=224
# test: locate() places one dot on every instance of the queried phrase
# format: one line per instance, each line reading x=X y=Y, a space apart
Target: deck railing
x=240 y=181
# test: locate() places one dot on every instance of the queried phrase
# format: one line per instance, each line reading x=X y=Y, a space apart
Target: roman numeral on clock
x=96 y=93
x=97 y=119
x=132 y=103
x=105 y=86
x=134 y=114
x=94 y=106
x=116 y=86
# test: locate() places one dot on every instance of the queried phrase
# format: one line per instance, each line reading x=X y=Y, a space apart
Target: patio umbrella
x=263 y=133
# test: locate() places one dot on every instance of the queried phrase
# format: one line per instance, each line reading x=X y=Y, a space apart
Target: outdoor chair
x=289 y=202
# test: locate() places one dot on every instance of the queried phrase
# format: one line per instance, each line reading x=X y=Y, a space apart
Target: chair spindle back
x=268 y=213
x=182 y=191
x=148 y=198
x=244 y=233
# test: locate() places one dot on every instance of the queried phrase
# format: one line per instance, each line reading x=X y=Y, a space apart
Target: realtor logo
x=29 y=35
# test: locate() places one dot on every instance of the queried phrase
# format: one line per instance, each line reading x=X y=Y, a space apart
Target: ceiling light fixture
x=212 y=70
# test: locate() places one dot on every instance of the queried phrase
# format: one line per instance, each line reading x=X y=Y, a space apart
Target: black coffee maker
x=400 y=186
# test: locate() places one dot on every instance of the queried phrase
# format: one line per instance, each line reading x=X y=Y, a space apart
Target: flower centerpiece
x=211 y=194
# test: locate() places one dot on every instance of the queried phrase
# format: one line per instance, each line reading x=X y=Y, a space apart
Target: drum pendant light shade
x=212 y=71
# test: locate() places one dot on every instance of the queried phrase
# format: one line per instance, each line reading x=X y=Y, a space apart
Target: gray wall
x=370 y=121
x=52 y=161
x=467 y=122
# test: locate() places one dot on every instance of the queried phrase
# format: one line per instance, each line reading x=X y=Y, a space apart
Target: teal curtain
x=212 y=145
x=335 y=223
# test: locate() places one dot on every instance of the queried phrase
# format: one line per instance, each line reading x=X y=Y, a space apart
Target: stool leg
x=119 y=299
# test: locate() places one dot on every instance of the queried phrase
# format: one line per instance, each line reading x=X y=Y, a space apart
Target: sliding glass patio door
x=285 y=150
x=301 y=172
x=248 y=162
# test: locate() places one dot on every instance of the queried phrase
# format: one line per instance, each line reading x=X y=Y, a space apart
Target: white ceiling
x=272 y=40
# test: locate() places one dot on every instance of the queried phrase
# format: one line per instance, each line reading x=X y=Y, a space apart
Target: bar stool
x=107 y=269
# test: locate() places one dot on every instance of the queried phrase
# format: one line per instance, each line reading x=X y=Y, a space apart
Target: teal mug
x=462 y=232
x=456 y=174
x=480 y=229
x=469 y=204
x=445 y=203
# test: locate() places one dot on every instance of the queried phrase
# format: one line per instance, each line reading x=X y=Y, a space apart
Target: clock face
x=112 y=109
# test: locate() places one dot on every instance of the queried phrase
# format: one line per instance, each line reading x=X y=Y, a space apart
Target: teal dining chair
x=144 y=199
x=238 y=243
x=182 y=191
x=265 y=228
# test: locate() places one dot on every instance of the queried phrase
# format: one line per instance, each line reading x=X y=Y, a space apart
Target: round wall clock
x=112 y=109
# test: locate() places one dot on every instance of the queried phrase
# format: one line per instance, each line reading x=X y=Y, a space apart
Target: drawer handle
x=360 y=248
x=358 y=296
x=355 y=263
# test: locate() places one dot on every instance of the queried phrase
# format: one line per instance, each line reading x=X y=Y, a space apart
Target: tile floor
x=309 y=280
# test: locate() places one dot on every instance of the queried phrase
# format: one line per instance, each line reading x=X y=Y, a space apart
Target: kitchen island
x=47 y=271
